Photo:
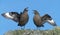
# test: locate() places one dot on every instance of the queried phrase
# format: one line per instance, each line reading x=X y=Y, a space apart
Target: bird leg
x=23 y=27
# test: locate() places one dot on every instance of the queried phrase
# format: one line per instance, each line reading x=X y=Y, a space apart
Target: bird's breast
x=37 y=20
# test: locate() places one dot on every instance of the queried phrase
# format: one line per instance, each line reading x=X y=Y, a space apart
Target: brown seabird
x=40 y=20
x=21 y=18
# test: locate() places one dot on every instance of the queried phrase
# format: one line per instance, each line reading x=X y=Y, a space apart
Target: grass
x=54 y=31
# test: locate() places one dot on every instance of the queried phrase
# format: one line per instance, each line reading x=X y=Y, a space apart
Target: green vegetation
x=55 y=31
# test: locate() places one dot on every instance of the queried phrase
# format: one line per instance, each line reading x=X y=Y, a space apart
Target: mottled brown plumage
x=40 y=20
x=37 y=19
x=23 y=18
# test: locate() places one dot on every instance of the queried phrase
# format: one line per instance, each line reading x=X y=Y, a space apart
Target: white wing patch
x=8 y=16
x=51 y=21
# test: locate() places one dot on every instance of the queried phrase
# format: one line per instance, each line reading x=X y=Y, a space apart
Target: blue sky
x=51 y=7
